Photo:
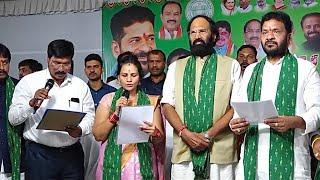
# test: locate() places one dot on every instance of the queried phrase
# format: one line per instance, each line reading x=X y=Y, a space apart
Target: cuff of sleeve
x=310 y=125
x=84 y=130
x=167 y=101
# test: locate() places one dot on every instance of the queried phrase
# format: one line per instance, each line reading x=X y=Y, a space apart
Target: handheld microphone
x=126 y=94
x=48 y=86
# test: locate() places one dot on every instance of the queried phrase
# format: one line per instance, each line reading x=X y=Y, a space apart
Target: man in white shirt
x=251 y=34
x=195 y=101
x=278 y=148
x=53 y=154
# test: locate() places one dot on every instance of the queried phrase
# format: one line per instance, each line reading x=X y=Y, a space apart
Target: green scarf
x=198 y=115
x=317 y=175
x=13 y=134
x=112 y=154
x=281 y=154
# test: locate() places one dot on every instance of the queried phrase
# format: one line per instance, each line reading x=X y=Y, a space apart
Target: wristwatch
x=206 y=135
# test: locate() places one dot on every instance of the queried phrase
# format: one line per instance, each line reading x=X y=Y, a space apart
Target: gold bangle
x=315 y=139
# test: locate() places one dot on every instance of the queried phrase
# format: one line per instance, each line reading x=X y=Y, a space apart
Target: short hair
x=171 y=2
x=177 y=52
x=316 y=14
x=60 y=48
x=157 y=52
x=34 y=65
x=250 y=47
x=224 y=24
x=91 y=57
x=5 y=52
x=129 y=57
x=248 y=22
x=213 y=26
x=128 y=16
x=279 y=16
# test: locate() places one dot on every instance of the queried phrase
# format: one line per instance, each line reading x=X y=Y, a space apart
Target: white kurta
x=307 y=107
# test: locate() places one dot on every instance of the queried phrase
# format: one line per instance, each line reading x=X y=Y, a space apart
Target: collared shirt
x=150 y=87
x=307 y=107
x=60 y=98
x=246 y=10
x=98 y=94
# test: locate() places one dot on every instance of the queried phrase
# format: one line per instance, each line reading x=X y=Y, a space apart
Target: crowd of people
x=194 y=134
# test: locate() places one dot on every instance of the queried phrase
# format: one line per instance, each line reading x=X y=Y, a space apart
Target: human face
x=171 y=17
x=24 y=70
x=244 y=3
x=156 y=64
x=274 y=38
x=311 y=27
x=129 y=77
x=224 y=37
x=252 y=34
x=261 y=3
x=229 y=4
x=246 y=57
x=279 y=1
x=59 y=68
x=139 y=39
x=4 y=67
x=93 y=70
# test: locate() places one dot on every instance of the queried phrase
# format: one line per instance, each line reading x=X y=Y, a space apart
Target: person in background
x=246 y=55
x=171 y=18
x=127 y=161
x=28 y=66
x=251 y=34
x=244 y=6
x=224 y=45
x=228 y=7
x=11 y=141
x=53 y=154
x=177 y=54
x=262 y=6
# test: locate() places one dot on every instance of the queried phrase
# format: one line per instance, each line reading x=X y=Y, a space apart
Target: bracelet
x=157 y=133
x=181 y=129
x=314 y=141
x=114 y=118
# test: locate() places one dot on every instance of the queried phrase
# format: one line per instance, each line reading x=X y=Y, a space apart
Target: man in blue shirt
x=154 y=83
x=10 y=139
x=93 y=70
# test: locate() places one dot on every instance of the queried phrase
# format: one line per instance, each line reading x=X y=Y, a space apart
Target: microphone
x=48 y=86
x=126 y=94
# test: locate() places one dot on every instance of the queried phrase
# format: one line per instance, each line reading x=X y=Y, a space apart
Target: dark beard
x=203 y=49
x=279 y=52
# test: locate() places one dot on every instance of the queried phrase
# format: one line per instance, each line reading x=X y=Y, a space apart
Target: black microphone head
x=49 y=84
x=125 y=93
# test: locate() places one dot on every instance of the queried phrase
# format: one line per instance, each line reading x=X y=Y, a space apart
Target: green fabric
x=281 y=153
x=317 y=175
x=13 y=134
x=112 y=154
x=198 y=115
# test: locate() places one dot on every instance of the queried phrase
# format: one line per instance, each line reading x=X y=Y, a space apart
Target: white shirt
x=72 y=87
x=307 y=107
x=167 y=34
x=168 y=90
x=246 y=10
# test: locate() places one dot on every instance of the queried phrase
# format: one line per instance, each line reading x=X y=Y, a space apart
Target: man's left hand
x=280 y=124
x=74 y=131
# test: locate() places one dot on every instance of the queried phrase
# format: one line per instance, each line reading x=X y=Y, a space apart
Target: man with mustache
x=53 y=154
x=225 y=45
x=310 y=24
x=134 y=34
x=11 y=149
x=154 y=83
x=262 y=6
x=246 y=55
x=28 y=66
x=278 y=147
x=196 y=96
x=251 y=34
x=171 y=19
x=244 y=6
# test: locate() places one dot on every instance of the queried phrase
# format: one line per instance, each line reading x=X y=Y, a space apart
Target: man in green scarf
x=196 y=97
x=10 y=137
x=278 y=148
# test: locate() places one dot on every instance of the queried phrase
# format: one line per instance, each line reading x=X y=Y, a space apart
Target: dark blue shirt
x=150 y=87
x=97 y=95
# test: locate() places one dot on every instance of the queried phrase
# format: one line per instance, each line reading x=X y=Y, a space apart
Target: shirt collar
x=278 y=62
x=66 y=80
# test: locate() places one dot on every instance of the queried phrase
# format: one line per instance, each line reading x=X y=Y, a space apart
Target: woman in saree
x=127 y=161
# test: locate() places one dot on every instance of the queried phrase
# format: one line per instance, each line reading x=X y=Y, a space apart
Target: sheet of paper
x=54 y=119
x=256 y=111
x=130 y=120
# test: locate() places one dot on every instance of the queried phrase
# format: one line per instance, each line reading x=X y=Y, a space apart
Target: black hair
x=279 y=16
x=248 y=46
x=248 y=22
x=316 y=14
x=126 y=58
x=91 y=57
x=60 y=48
x=224 y=24
x=34 y=65
x=177 y=52
x=171 y=2
x=213 y=26
x=128 y=16
x=5 y=52
x=157 y=52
